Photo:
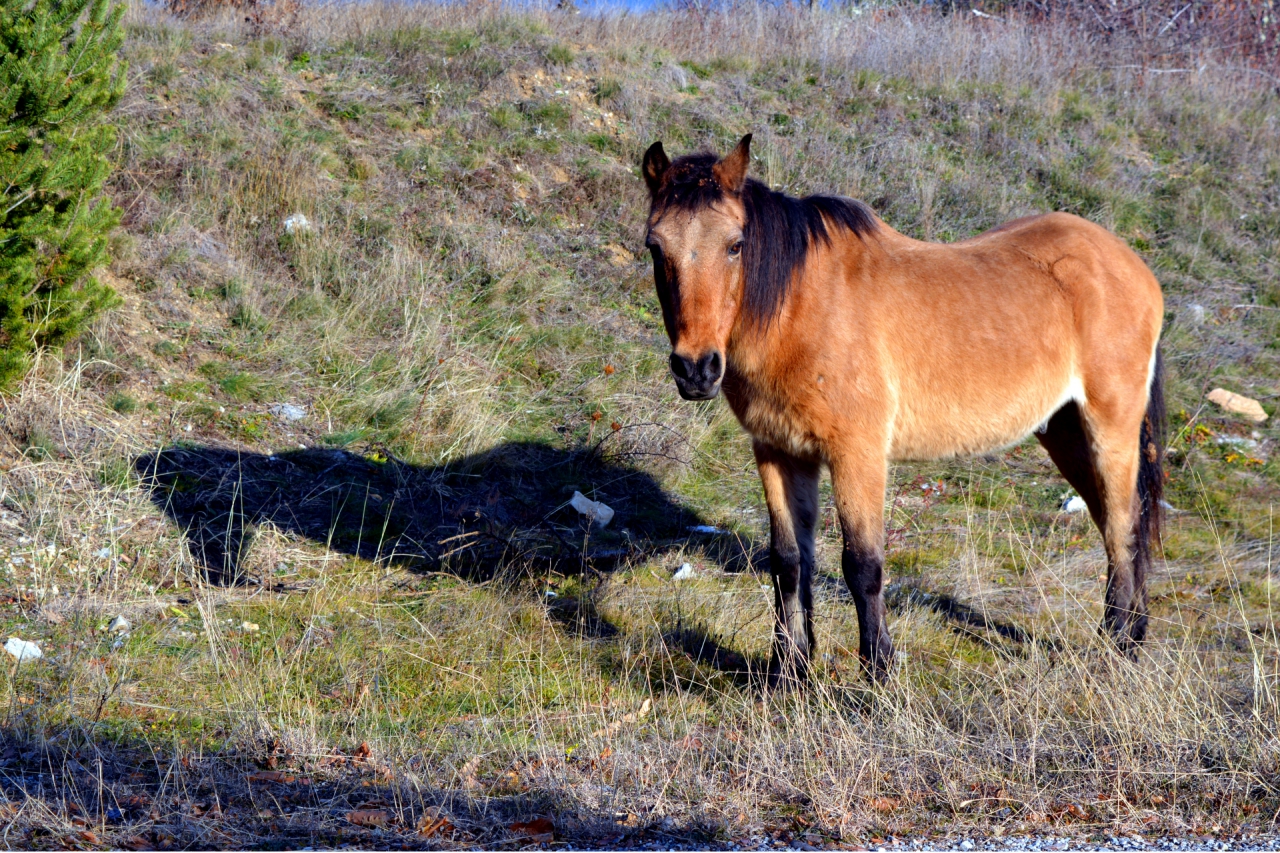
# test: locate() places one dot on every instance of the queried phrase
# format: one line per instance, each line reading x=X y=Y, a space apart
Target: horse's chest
x=772 y=418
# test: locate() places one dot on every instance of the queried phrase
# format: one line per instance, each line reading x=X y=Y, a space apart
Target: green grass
x=475 y=263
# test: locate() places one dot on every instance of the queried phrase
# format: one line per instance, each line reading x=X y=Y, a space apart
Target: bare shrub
x=1241 y=31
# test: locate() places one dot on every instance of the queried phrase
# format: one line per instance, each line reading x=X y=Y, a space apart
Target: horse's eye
x=735 y=249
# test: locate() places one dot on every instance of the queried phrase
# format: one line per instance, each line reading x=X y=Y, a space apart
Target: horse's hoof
x=879 y=666
x=1126 y=635
x=785 y=677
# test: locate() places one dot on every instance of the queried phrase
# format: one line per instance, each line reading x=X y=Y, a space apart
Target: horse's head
x=695 y=232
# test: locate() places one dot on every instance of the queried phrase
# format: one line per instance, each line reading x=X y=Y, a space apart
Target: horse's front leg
x=791 y=492
x=858 y=482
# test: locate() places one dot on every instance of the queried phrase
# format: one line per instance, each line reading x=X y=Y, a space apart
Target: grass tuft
x=324 y=475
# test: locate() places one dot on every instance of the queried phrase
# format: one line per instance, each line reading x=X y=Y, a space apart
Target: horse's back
x=991 y=335
x=1057 y=262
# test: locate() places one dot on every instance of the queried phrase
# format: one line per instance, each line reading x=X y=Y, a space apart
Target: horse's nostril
x=680 y=366
x=711 y=366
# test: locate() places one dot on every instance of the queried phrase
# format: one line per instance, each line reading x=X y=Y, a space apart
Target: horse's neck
x=759 y=360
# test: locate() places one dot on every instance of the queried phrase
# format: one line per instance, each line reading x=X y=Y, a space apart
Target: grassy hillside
x=323 y=471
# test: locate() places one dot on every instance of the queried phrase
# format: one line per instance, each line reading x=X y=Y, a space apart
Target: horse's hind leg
x=1099 y=458
x=1125 y=616
x=1068 y=445
x=791 y=492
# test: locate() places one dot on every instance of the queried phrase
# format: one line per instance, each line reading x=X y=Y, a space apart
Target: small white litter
x=597 y=512
x=1075 y=504
x=119 y=624
x=684 y=573
x=288 y=412
x=249 y=627
x=102 y=553
x=297 y=224
x=23 y=650
x=1195 y=314
x=705 y=528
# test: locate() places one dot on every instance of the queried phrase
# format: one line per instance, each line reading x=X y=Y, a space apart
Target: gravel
x=972 y=843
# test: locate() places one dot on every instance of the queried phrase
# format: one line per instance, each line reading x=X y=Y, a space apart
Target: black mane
x=779 y=233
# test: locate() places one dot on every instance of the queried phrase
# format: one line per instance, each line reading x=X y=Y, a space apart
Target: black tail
x=1151 y=470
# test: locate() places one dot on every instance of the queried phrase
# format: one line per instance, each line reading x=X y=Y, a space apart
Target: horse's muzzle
x=698 y=380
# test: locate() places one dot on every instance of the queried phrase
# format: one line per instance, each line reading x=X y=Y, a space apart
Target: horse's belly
x=953 y=426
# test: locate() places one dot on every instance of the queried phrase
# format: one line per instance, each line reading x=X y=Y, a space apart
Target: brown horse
x=839 y=341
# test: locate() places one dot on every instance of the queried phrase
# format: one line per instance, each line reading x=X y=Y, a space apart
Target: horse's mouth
x=690 y=391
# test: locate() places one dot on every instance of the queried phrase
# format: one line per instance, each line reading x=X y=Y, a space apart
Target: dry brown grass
x=474 y=281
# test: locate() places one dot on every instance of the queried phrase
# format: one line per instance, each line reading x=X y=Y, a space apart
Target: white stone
x=288 y=412
x=1238 y=403
x=23 y=650
x=119 y=624
x=297 y=224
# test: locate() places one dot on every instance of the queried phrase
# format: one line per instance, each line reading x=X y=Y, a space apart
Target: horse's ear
x=654 y=167
x=731 y=172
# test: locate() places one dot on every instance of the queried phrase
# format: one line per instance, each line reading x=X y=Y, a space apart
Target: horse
x=838 y=341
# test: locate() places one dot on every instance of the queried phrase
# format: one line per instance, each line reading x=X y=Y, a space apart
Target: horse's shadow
x=505 y=508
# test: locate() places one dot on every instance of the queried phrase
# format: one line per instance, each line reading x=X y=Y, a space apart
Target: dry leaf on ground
x=884 y=804
x=433 y=823
x=539 y=830
x=376 y=818
x=633 y=717
x=468 y=773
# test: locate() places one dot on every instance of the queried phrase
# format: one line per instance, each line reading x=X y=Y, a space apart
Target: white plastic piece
x=597 y=512
x=23 y=650
x=684 y=573
x=1075 y=504
x=705 y=528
